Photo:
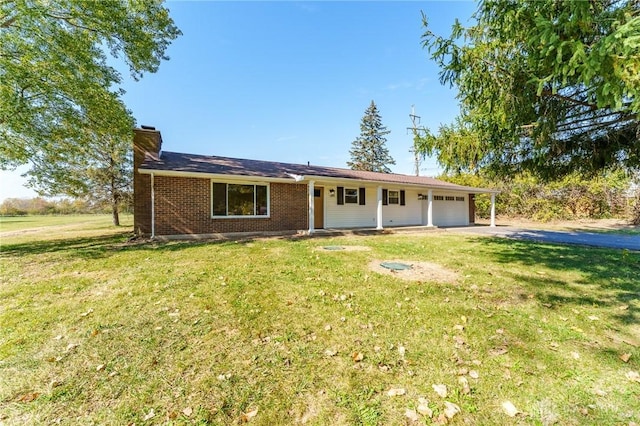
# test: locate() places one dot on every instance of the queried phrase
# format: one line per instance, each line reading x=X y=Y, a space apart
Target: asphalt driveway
x=618 y=241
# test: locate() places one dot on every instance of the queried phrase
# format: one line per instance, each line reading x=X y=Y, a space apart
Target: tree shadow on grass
x=85 y=247
x=103 y=245
x=604 y=277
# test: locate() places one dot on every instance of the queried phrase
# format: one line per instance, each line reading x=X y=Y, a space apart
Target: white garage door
x=451 y=209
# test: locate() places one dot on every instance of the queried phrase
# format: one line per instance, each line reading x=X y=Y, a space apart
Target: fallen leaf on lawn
x=623 y=307
x=100 y=367
x=55 y=383
x=465 y=385
x=84 y=314
x=500 y=331
x=575 y=355
x=423 y=407
x=463 y=372
x=441 y=420
x=58 y=337
x=151 y=414
x=330 y=352
x=401 y=350
x=187 y=411
x=476 y=362
x=625 y=357
x=578 y=329
x=357 y=356
x=498 y=351
x=72 y=346
x=600 y=392
x=440 y=390
x=459 y=340
x=593 y=318
x=463 y=319
x=396 y=392
x=450 y=409
x=458 y=327
x=509 y=409
x=223 y=377
x=28 y=397
x=474 y=374
x=411 y=415
x=327 y=327
x=633 y=376
x=246 y=417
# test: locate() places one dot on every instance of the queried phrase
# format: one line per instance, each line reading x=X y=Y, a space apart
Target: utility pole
x=415 y=129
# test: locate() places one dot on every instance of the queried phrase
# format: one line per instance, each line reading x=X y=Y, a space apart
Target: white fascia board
x=222 y=177
x=344 y=181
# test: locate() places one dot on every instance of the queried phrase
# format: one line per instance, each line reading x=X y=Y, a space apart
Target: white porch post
x=493 y=210
x=379 y=210
x=311 y=207
x=430 y=208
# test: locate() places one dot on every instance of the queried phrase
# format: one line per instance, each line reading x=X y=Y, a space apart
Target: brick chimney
x=146 y=141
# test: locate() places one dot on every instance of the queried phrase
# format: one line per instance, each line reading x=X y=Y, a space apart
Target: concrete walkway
x=618 y=241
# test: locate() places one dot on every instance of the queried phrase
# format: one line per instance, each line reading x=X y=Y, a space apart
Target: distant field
x=61 y=223
x=96 y=330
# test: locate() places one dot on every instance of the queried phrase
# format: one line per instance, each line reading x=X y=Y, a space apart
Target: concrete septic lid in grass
x=396 y=266
x=343 y=248
x=413 y=271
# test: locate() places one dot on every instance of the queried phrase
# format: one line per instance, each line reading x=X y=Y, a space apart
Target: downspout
x=153 y=209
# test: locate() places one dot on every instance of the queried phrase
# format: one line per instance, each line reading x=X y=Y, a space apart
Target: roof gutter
x=416 y=185
x=302 y=178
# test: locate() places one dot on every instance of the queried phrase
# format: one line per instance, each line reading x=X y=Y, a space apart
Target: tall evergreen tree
x=369 y=151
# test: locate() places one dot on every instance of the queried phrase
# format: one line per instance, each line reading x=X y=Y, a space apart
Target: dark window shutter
x=402 y=197
x=385 y=197
x=340 y=195
x=361 y=197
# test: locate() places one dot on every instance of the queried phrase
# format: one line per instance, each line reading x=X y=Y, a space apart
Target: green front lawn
x=97 y=331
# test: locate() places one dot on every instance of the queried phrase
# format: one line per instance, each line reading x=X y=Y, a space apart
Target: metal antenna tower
x=415 y=129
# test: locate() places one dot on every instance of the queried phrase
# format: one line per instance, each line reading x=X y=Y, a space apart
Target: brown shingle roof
x=191 y=163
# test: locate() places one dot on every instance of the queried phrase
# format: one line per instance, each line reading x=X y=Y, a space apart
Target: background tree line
x=613 y=194
x=42 y=206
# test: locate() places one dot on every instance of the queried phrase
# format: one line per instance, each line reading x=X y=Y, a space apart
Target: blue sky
x=290 y=81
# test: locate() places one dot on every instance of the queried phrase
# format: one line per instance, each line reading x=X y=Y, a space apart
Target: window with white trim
x=393 y=197
x=244 y=200
x=351 y=195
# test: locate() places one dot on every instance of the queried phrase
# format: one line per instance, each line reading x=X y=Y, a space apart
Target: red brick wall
x=183 y=206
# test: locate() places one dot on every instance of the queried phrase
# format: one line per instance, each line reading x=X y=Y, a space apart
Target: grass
x=98 y=331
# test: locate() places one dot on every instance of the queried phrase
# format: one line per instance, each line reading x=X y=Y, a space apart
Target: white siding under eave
x=407 y=215
x=357 y=216
x=350 y=215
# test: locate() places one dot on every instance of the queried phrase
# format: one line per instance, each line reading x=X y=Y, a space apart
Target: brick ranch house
x=198 y=196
